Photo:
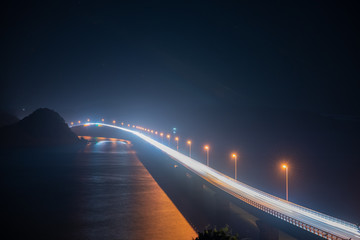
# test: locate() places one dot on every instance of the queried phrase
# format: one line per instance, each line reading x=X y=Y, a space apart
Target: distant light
x=234 y=155
x=161 y=134
x=284 y=166
x=174 y=130
x=133 y=126
x=102 y=120
x=79 y=122
x=206 y=147
x=114 y=122
x=189 y=142
x=122 y=123
x=128 y=125
x=176 y=139
x=88 y=119
x=156 y=132
x=168 y=136
x=72 y=123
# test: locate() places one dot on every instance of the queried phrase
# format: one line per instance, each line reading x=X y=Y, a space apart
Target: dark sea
x=100 y=192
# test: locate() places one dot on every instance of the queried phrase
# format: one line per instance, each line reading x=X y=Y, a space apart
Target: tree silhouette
x=214 y=234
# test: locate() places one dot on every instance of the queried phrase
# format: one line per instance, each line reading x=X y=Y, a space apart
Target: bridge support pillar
x=266 y=231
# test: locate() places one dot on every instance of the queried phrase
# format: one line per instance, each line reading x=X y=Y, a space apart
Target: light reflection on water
x=101 y=192
x=121 y=200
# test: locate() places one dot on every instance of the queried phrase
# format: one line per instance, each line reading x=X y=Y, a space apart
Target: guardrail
x=293 y=221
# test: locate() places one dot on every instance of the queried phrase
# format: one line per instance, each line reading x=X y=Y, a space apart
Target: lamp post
x=189 y=143
x=102 y=120
x=114 y=122
x=177 y=143
x=72 y=123
x=162 y=137
x=168 y=137
x=235 y=158
x=207 y=154
x=287 y=180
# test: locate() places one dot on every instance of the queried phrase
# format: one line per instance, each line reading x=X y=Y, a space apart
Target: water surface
x=103 y=192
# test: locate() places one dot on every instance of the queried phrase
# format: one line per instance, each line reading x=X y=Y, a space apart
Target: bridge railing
x=293 y=221
x=271 y=198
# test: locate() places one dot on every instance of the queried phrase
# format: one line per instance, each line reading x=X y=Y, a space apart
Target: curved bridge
x=312 y=221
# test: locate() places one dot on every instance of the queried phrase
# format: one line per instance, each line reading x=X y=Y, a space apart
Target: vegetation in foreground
x=214 y=234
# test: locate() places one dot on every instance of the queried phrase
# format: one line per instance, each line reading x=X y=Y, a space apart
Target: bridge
x=307 y=219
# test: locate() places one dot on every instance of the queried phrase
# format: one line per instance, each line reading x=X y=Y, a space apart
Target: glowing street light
x=162 y=137
x=284 y=166
x=122 y=124
x=102 y=120
x=72 y=123
x=235 y=157
x=168 y=137
x=207 y=154
x=114 y=122
x=88 y=119
x=128 y=125
x=177 y=143
x=79 y=121
x=189 y=143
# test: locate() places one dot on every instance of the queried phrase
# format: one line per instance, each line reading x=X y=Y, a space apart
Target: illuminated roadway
x=320 y=224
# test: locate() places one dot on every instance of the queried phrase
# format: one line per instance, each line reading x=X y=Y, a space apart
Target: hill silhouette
x=43 y=127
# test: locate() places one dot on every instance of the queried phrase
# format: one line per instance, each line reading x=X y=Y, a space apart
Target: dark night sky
x=271 y=80
x=77 y=57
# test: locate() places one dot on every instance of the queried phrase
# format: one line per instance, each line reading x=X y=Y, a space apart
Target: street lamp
x=284 y=166
x=189 y=143
x=177 y=143
x=79 y=121
x=122 y=124
x=235 y=157
x=102 y=120
x=168 y=137
x=114 y=122
x=162 y=137
x=207 y=154
x=88 y=119
x=72 y=123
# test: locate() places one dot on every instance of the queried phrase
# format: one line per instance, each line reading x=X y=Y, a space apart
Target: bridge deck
x=318 y=223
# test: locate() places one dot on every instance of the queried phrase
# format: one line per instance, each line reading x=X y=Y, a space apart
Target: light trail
x=339 y=229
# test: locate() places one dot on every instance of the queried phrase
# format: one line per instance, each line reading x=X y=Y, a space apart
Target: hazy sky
x=79 y=56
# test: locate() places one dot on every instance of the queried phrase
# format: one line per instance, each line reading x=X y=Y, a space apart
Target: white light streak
x=243 y=189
